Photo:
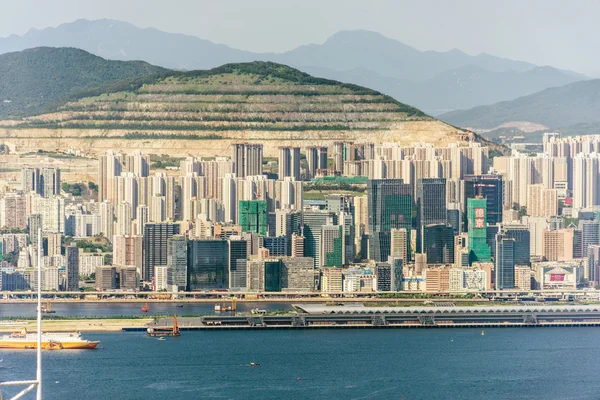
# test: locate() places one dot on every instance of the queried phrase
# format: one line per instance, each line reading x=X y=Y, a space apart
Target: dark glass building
x=277 y=246
x=431 y=205
x=505 y=262
x=273 y=270
x=522 y=247
x=383 y=272
x=454 y=219
x=238 y=250
x=389 y=206
x=312 y=223
x=438 y=244
x=208 y=264
x=590 y=235
x=155 y=247
x=489 y=187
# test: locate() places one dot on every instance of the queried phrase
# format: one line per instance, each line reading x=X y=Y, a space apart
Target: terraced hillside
x=203 y=112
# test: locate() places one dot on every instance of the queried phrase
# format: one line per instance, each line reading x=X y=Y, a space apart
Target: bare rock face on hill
x=203 y=112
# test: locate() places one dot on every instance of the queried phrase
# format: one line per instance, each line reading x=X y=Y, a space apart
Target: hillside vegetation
x=204 y=112
x=40 y=79
x=252 y=96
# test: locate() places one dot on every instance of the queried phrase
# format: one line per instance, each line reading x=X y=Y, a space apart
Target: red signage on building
x=479 y=218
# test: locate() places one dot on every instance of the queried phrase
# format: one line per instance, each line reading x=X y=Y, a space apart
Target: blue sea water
x=534 y=363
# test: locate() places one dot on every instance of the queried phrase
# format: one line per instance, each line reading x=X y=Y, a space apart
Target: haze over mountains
x=569 y=109
x=435 y=82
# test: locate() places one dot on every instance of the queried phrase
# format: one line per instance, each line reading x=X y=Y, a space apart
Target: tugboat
x=165 y=331
x=145 y=308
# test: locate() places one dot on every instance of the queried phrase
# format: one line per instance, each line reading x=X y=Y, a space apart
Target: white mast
x=32 y=384
x=38 y=375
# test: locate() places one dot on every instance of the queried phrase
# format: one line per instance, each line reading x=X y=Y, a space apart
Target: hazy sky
x=564 y=34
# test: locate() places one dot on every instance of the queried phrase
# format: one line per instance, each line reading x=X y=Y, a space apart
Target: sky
x=564 y=34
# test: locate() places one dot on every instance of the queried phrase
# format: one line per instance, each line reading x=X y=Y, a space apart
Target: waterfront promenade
x=312 y=315
x=76 y=325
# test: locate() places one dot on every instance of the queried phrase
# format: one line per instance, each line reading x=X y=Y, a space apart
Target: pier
x=314 y=316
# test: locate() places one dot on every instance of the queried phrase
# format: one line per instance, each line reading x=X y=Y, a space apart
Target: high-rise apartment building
x=49 y=184
x=44 y=181
x=124 y=217
x=289 y=162
x=54 y=244
x=558 y=245
x=72 y=273
x=128 y=251
x=13 y=211
x=297 y=244
x=30 y=180
x=316 y=159
x=247 y=159
x=34 y=224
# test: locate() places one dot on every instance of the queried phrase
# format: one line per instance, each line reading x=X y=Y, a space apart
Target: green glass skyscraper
x=390 y=206
x=253 y=216
x=273 y=276
x=477 y=217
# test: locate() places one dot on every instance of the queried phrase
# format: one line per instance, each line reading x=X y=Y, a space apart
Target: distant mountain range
x=432 y=81
x=571 y=109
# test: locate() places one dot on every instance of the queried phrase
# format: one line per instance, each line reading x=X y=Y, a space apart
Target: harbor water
x=549 y=363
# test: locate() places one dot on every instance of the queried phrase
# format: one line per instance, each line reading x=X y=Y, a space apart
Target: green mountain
x=572 y=109
x=259 y=96
x=40 y=79
x=205 y=111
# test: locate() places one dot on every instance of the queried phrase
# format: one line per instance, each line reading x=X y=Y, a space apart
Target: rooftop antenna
x=37 y=383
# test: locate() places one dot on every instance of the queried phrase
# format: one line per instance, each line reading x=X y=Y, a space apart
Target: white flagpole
x=38 y=376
